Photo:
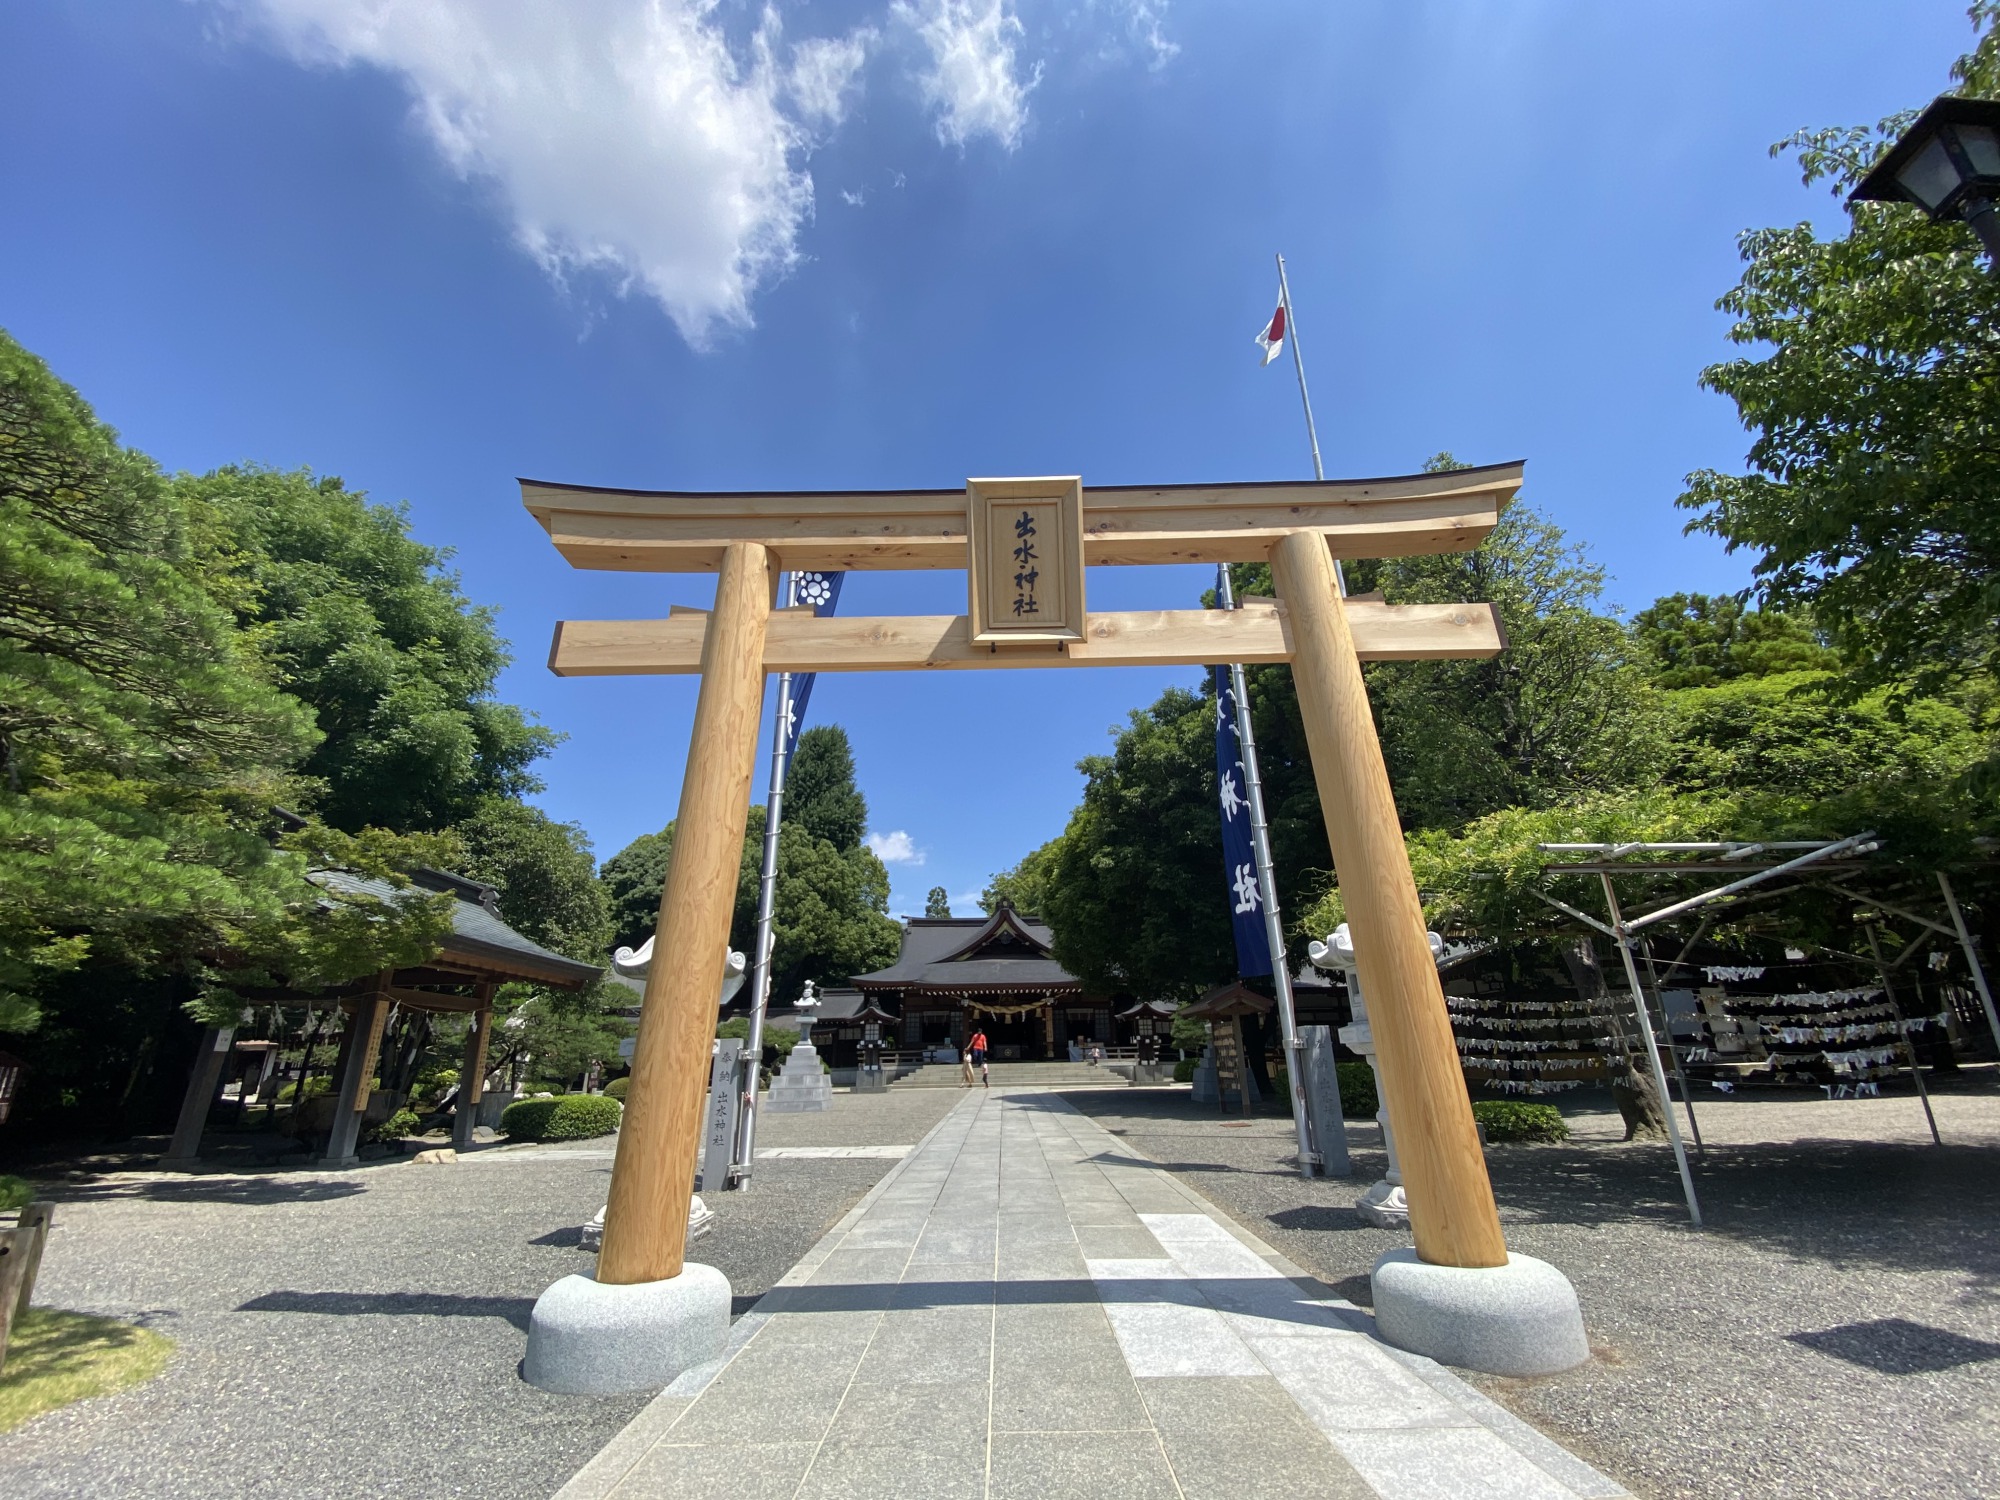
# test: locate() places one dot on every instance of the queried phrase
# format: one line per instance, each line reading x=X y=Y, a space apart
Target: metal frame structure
x=1794 y=857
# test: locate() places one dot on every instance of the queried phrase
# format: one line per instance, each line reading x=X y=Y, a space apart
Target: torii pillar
x=647 y=1313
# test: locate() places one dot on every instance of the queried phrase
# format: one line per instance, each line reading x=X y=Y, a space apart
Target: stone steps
x=1019 y=1074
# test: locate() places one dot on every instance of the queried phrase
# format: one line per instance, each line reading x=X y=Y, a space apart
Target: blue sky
x=431 y=246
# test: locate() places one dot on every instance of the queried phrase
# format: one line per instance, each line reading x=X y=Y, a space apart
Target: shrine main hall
x=955 y=975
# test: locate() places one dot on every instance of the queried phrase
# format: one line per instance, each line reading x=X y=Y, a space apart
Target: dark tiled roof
x=478 y=934
x=931 y=945
x=845 y=1005
x=1234 y=999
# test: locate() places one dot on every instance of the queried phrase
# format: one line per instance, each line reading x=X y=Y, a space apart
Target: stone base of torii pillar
x=592 y=1338
x=1518 y=1319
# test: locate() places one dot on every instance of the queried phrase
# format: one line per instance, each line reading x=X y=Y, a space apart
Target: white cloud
x=854 y=199
x=1144 y=20
x=628 y=139
x=824 y=70
x=895 y=848
x=973 y=79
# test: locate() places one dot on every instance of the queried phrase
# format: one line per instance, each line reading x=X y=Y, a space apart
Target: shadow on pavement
x=394 y=1304
x=1896 y=1346
x=1908 y=1206
x=219 y=1189
x=1278 y=1299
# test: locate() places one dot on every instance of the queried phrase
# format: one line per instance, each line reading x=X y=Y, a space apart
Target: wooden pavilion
x=481 y=954
x=996 y=974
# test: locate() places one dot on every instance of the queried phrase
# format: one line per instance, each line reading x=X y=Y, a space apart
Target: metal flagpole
x=1267 y=884
x=767 y=895
x=1305 y=400
x=1299 y=364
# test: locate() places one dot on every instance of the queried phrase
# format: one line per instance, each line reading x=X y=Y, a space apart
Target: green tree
x=1563 y=710
x=1875 y=420
x=831 y=918
x=633 y=879
x=820 y=793
x=365 y=627
x=1025 y=887
x=546 y=888
x=544 y=875
x=145 y=743
x=1698 y=640
x=938 y=902
x=1134 y=887
x=831 y=914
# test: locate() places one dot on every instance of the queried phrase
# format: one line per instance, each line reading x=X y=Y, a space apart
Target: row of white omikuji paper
x=1498 y=1044
x=1852 y=1033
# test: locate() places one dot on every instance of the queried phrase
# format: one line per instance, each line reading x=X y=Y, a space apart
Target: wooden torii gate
x=1025 y=544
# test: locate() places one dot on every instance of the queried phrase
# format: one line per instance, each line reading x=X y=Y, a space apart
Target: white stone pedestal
x=801 y=1087
x=1518 y=1319
x=586 y=1338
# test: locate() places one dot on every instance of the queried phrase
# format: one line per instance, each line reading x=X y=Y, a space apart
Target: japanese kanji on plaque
x=1026 y=567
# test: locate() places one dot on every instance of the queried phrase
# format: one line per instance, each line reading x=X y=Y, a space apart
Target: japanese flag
x=1272 y=339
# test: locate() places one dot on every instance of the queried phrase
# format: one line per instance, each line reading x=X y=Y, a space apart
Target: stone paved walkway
x=1023 y=1307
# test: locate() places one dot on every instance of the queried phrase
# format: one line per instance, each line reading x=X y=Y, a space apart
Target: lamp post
x=1948 y=164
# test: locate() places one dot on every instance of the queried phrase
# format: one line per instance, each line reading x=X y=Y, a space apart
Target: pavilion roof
x=480 y=943
x=1233 y=999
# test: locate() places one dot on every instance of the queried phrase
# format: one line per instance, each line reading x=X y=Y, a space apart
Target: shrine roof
x=939 y=954
x=478 y=938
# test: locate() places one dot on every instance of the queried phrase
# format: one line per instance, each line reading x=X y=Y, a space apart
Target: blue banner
x=822 y=592
x=1239 y=854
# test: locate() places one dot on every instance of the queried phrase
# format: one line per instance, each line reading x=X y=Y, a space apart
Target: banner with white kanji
x=1246 y=902
x=822 y=592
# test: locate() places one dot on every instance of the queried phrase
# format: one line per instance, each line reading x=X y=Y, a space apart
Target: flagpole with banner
x=1282 y=329
x=1299 y=364
x=1257 y=887
x=822 y=592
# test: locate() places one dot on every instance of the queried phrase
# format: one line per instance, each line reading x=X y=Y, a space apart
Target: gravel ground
x=358 y=1333
x=1835 y=1331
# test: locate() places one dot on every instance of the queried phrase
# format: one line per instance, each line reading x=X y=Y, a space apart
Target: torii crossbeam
x=1025 y=543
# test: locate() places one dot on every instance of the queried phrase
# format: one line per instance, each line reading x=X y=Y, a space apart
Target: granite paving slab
x=1023 y=1307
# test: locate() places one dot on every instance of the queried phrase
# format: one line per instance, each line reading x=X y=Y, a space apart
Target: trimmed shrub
x=1506 y=1120
x=578 y=1117
x=15 y=1192
x=1184 y=1070
x=403 y=1122
x=568 y=1117
x=526 y=1119
x=617 y=1088
x=1358 y=1100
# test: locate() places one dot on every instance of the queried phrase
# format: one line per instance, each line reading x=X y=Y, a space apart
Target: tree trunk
x=1632 y=1090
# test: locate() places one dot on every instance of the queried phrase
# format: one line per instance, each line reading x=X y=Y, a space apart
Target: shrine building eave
x=687 y=531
